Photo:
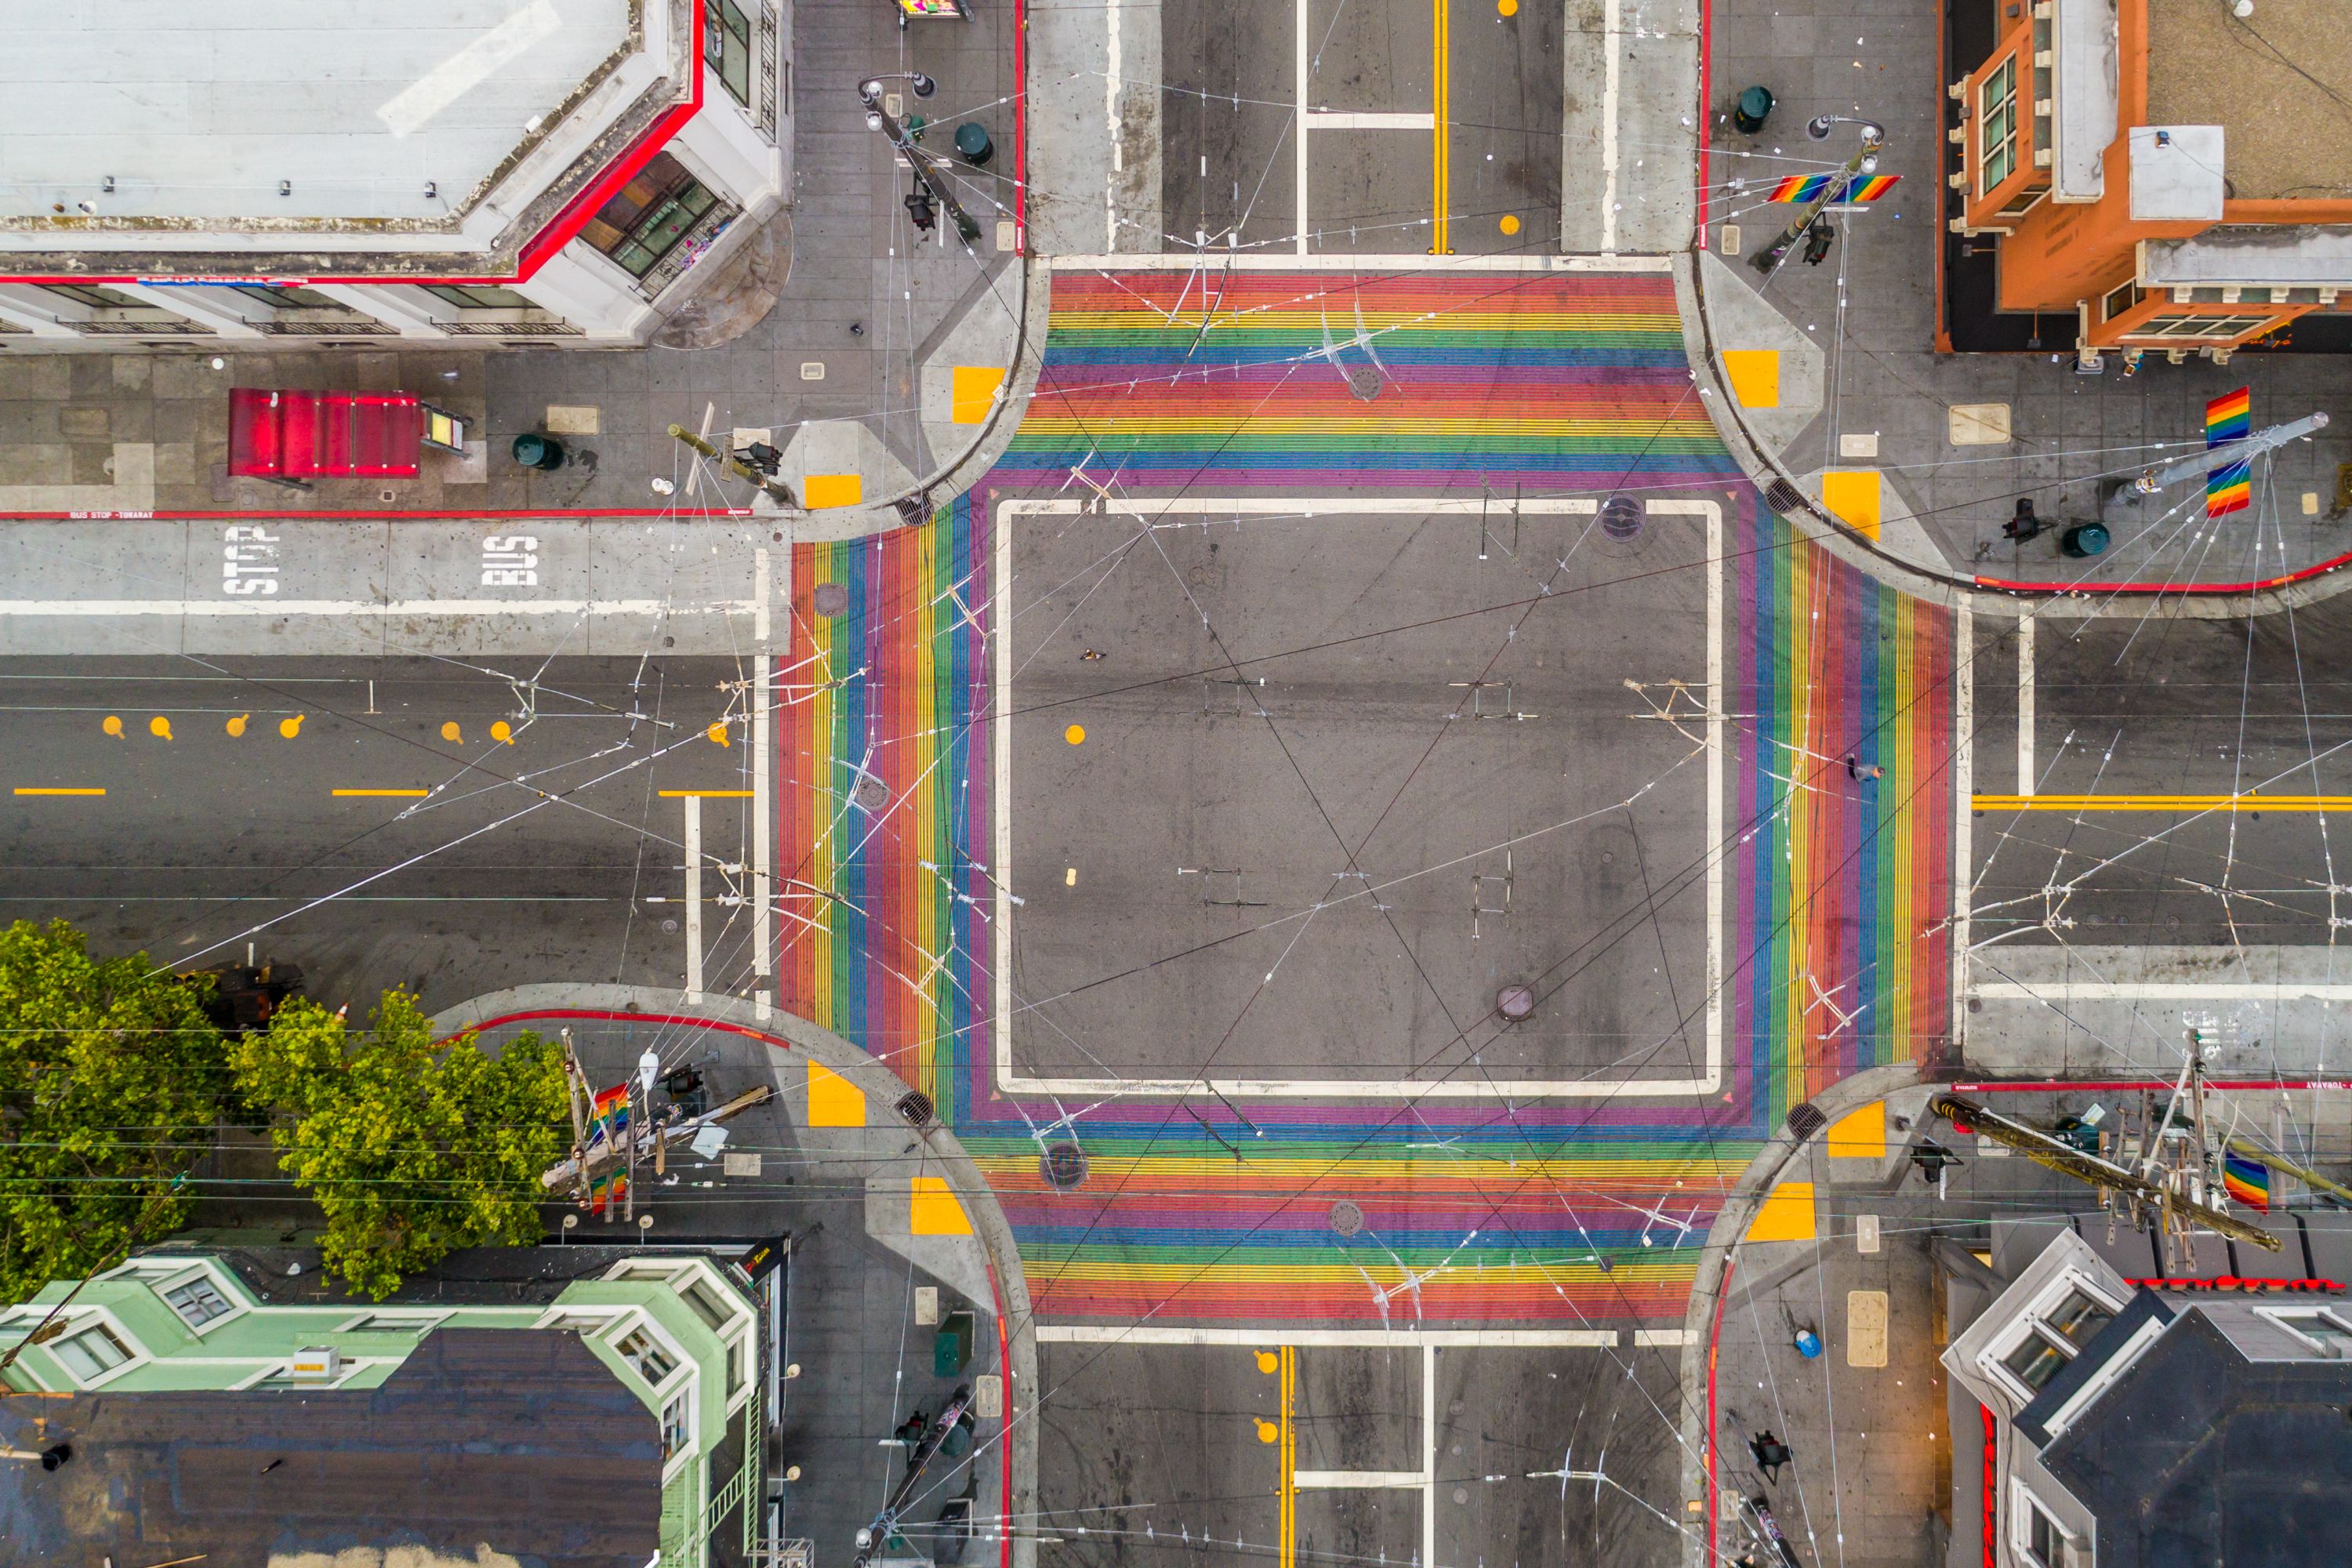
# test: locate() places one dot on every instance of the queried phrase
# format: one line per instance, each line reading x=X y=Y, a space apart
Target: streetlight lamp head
x=873 y=120
x=870 y=90
x=1870 y=162
x=924 y=85
x=1818 y=128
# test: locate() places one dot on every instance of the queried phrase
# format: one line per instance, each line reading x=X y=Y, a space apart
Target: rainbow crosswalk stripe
x=1562 y=1211
x=2230 y=488
x=1806 y=187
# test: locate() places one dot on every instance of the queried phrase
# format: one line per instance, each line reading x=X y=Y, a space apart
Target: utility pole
x=775 y=488
x=2137 y=499
x=1864 y=161
x=878 y=118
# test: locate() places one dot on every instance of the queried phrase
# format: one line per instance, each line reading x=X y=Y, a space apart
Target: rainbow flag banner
x=2230 y=488
x=1798 y=188
x=2246 y=1181
x=608 y=1115
x=1580 y=1212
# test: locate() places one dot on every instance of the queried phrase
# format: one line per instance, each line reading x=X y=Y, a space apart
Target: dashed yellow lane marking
x=503 y=732
x=1075 y=734
x=30 y=789
x=393 y=794
x=236 y=726
x=113 y=725
x=160 y=727
x=706 y=793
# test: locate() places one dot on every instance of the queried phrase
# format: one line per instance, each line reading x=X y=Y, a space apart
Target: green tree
x=110 y=1075
x=411 y=1148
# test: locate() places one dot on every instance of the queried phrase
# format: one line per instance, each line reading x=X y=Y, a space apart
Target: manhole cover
x=832 y=599
x=1347 y=1219
x=1064 y=1166
x=1514 y=1001
x=872 y=794
x=917 y=1109
x=1621 y=517
x=669 y=925
x=1804 y=1120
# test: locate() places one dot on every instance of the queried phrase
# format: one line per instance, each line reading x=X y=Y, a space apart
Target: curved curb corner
x=828 y=1049
x=1703 y=1317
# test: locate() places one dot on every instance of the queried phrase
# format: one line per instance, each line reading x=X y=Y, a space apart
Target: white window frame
x=692 y=1442
x=2032 y=1323
x=2025 y=1506
x=1988 y=146
x=230 y=1309
x=421 y=1321
x=601 y=1318
x=79 y=1325
x=642 y=1323
x=2285 y=1318
x=164 y=1274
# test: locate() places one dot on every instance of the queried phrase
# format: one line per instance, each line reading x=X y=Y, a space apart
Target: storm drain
x=1621 y=517
x=1804 y=1120
x=1064 y=1166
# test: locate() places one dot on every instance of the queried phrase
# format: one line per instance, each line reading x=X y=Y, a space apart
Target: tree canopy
x=411 y=1149
x=110 y=1076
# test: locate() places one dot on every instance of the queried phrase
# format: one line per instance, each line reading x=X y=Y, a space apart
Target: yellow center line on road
x=1442 y=171
x=2174 y=803
x=395 y=793
x=705 y=793
x=1289 y=1551
x=27 y=789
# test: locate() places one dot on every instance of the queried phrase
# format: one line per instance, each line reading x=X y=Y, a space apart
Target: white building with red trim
x=548 y=171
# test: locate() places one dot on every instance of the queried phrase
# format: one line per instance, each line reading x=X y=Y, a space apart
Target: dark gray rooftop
x=2201 y=1456
x=518 y=1440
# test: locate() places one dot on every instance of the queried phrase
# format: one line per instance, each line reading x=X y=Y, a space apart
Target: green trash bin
x=1749 y=114
x=952 y=1346
x=538 y=451
x=2084 y=539
x=972 y=145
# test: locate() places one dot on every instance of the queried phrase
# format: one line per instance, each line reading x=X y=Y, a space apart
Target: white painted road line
x=1347 y=119
x=1429 y=1454
x=2025 y=705
x=1298 y=123
x=764 y=840
x=2162 y=991
x=693 y=840
x=1361 y=1339
x=1964 y=785
x=1609 y=21
x=273 y=609
x=1350 y=261
x=1011 y=1080
x=1355 y=1481
x=1110 y=114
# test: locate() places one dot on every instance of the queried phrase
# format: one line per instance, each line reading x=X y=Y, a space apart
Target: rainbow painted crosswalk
x=1587 y=1210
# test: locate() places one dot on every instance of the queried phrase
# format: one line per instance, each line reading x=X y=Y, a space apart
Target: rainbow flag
x=607 y=1189
x=2247 y=1180
x=1806 y=187
x=608 y=1115
x=2229 y=487
x=2229 y=417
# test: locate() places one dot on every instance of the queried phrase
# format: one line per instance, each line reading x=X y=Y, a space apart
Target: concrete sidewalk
x=876 y=366
x=1835 y=368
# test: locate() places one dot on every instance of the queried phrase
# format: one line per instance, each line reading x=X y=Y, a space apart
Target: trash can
x=1749 y=114
x=952 y=1346
x=2084 y=539
x=972 y=145
x=538 y=451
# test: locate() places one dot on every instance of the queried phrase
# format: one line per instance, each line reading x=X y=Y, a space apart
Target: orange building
x=2176 y=174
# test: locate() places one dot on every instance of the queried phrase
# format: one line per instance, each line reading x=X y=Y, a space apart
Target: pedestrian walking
x=1856 y=770
x=1770 y=1454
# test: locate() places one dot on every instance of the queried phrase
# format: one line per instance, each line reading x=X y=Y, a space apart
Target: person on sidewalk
x=1855 y=771
x=1817 y=243
x=1770 y=1454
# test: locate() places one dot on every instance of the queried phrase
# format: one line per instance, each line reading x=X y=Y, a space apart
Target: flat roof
x=518 y=1441
x=200 y=111
x=2276 y=82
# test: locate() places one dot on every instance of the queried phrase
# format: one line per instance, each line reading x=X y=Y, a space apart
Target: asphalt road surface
x=367 y=820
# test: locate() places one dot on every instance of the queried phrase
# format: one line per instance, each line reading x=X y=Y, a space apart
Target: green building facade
x=678 y=1330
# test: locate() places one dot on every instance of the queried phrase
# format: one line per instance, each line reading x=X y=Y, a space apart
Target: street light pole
x=878 y=118
x=1863 y=161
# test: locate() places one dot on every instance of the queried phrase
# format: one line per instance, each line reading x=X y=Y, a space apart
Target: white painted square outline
x=1010 y=1081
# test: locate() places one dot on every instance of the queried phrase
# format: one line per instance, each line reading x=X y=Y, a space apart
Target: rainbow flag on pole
x=608 y=1116
x=1805 y=187
x=2230 y=488
x=2247 y=1180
